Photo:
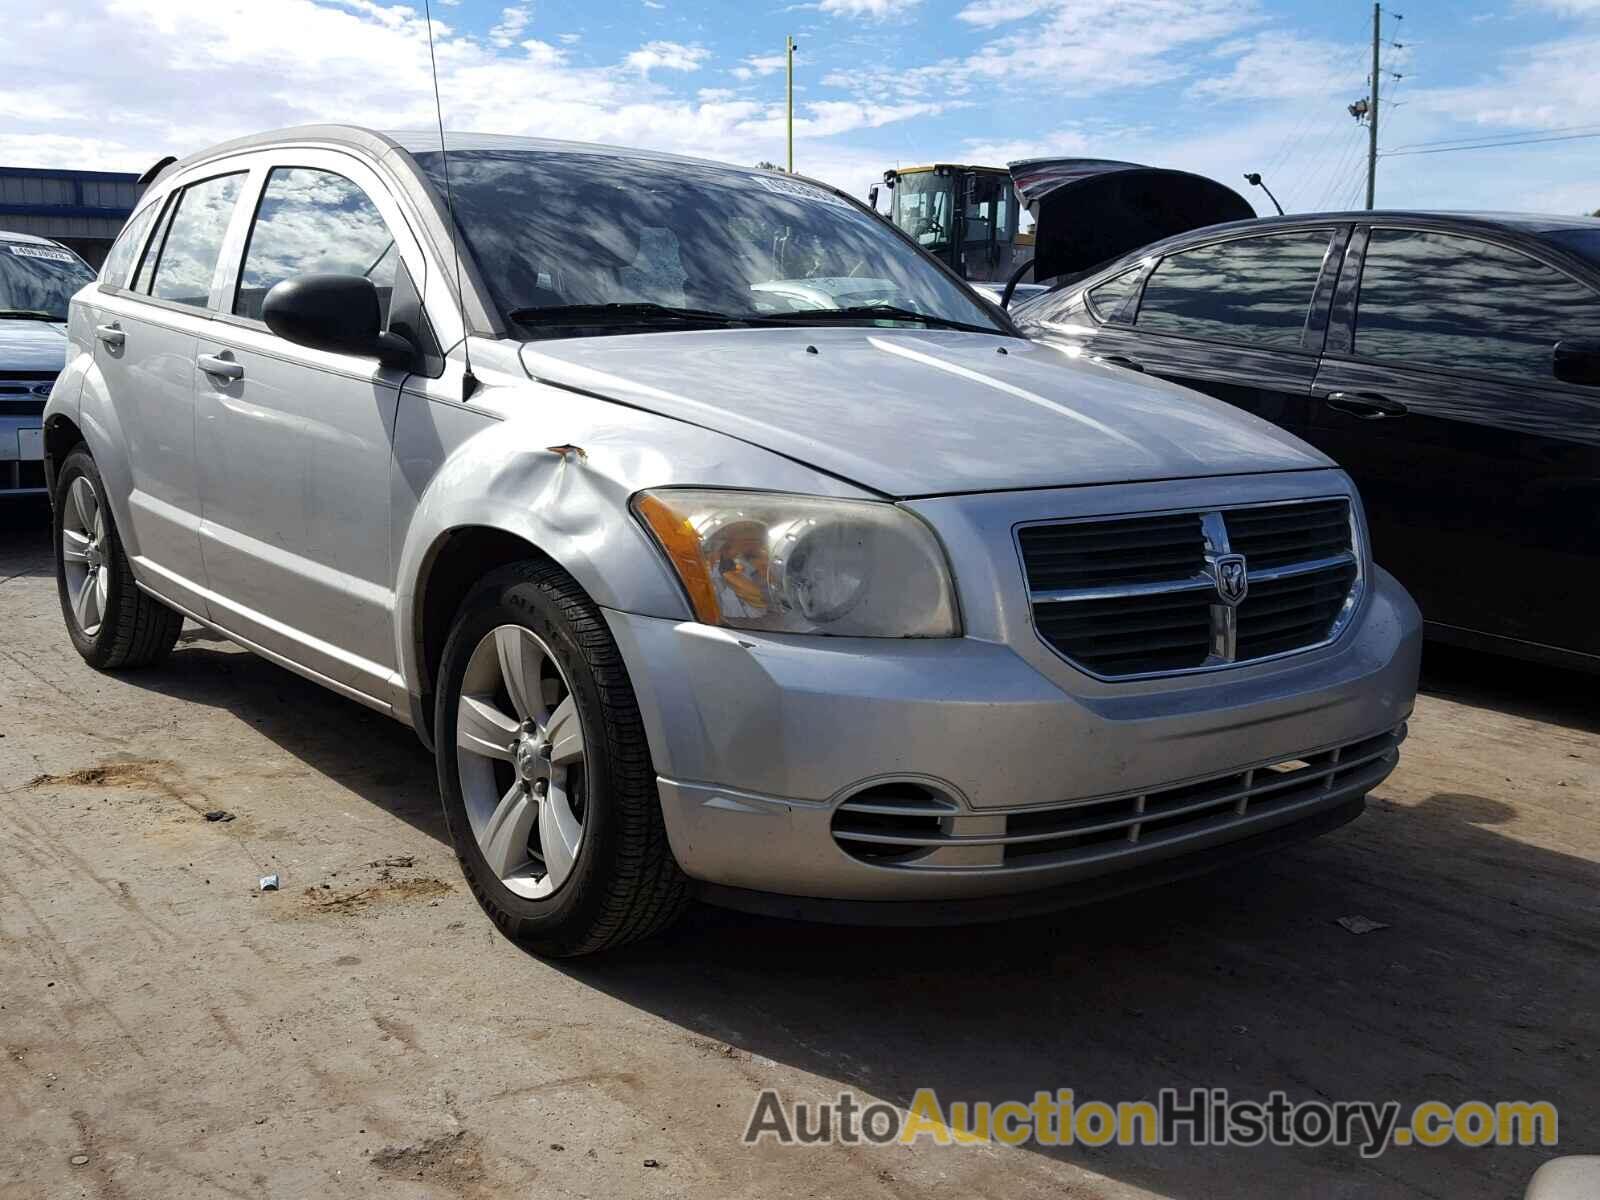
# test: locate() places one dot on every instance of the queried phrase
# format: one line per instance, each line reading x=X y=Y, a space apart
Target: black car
x=1450 y=363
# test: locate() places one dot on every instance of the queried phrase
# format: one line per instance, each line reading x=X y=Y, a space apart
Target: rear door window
x=188 y=257
x=1436 y=299
x=314 y=222
x=1255 y=290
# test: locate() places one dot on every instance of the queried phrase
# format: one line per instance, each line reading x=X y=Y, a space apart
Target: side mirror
x=338 y=313
x=1577 y=360
x=872 y=197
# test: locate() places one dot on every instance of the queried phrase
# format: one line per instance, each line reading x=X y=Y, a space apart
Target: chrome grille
x=1132 y=596
x=930 y=833
x=1279 y=534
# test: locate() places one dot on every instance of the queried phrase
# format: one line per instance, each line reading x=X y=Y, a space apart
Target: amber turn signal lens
x=682 y=545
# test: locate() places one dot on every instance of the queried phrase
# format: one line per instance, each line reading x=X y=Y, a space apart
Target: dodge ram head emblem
x=1233 y=580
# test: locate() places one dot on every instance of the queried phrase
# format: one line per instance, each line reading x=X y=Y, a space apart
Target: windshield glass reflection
x=550 y=229
x=39 y=279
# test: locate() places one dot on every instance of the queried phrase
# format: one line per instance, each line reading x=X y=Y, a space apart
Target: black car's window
x=314 y=222
x=188 y=256
x=1108 y=296
x=1255 y=290
x=120 y=260
x=1439 y=300
x=37 y=278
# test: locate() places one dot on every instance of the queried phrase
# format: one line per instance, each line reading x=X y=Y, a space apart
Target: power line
x=1571 y=137
x=1479 y=137
x=1349 y=65
x=1341 y=171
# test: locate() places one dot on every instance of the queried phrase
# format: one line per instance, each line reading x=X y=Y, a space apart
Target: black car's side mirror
x=1577 y=360
x=338 y=313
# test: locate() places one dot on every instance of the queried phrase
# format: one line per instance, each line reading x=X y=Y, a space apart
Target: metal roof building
x=81 y=209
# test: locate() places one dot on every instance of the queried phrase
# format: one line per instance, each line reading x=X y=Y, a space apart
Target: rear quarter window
x=119 y=262
x=1106 y=298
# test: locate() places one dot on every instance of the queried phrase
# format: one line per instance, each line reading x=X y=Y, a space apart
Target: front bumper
x=759 y=739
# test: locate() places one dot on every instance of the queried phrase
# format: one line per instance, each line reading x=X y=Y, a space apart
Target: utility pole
x=1372 y=109
x=788 y=50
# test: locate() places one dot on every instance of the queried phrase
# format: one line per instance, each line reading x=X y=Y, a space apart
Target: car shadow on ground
x=1559 y=696
x=373 y=755
x=25 y=539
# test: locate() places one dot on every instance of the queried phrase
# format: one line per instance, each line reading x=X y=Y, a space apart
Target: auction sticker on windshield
x=44 y=252
x=804 y=191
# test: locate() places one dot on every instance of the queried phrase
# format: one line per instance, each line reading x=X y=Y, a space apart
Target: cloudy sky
x=1216 y=86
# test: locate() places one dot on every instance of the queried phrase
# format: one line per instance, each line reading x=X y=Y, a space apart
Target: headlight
x=801 y=564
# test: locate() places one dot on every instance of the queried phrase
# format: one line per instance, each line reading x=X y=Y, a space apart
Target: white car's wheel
x=546 y=778
x=111 y=622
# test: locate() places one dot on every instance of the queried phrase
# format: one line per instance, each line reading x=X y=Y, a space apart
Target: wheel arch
x=61 y=434
x=453 y=561
x=90 y=416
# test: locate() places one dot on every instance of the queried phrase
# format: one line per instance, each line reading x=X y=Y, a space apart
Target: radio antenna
x=469 y=382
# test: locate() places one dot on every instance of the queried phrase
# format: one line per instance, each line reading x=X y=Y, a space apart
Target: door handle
x=1369 y=406
x=221 y=368
x=111 y=335
x=1117 y=360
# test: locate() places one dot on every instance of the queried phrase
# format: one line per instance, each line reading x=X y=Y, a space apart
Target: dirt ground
x=169 y=1031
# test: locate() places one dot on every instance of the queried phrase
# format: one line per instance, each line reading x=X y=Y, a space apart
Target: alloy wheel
x=85 y=554
x=521 y=761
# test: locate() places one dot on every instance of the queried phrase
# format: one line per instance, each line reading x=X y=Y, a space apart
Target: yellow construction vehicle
x=966 y=216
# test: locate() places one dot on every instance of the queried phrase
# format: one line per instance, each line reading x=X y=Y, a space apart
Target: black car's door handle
x=1369 y=406
x=1117 y=360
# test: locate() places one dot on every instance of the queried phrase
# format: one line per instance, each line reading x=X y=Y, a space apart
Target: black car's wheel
x=547 y=782
x=111 y=622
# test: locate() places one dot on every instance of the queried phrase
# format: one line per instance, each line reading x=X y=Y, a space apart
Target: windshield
x=924 y=206
x=39 y=279
x=553 y=230
x=1584 y=242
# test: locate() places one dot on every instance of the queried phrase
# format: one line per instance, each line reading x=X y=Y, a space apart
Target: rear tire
x=545 y=774
x=113 y=625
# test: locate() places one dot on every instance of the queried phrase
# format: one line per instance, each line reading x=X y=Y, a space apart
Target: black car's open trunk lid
x=1088 y=211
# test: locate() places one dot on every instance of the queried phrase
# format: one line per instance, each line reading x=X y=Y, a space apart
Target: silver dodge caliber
x=699 y=580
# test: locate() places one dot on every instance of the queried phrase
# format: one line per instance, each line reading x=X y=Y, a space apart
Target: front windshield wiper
x=619 y=313
x=31 y=314
x=876 y=312
x=630 y=312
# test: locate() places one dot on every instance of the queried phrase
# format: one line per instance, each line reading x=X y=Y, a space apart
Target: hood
x=29 y=345
x=1090 y=210
x=917 y=413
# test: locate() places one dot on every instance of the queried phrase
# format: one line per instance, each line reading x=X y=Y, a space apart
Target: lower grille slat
x=901 y=835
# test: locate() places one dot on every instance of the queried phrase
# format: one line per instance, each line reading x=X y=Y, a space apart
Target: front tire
x=546 y=778
x=113 y=625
